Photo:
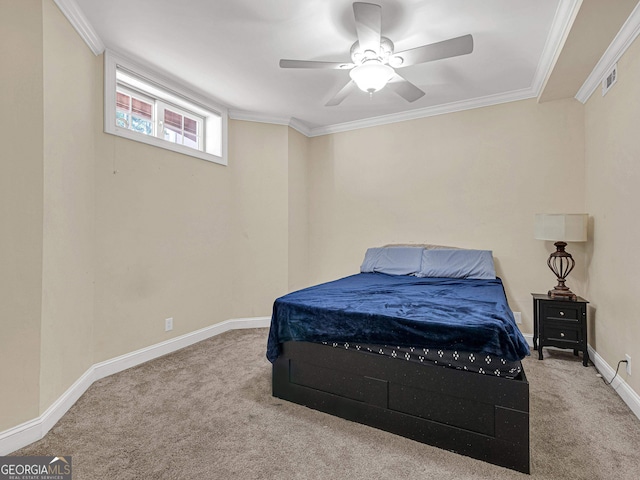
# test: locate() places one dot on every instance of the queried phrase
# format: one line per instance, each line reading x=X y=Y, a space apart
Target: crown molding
x=292 y=122
x=300 y=126
x=487 y=101
x=71 y=10
x=562 y=22
x=453 y=107
x=623 y=40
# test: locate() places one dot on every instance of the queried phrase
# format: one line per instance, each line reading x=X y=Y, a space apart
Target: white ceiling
x=229 y=50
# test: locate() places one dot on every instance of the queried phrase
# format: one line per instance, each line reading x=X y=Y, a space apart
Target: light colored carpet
x=206 y=412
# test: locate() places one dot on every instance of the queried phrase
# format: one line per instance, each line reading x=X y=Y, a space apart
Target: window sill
x=158 y=142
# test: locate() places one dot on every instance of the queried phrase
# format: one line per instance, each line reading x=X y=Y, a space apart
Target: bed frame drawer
x=481 y=416
x=446 y=409
x=344 y=384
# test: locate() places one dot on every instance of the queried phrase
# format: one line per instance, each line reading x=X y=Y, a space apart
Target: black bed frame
x=481 y=416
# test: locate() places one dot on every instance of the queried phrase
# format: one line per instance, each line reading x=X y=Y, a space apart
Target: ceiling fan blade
x=368 y=25
x=405 y=88
x=312 y=64
x=342 y=94
x=435 y=51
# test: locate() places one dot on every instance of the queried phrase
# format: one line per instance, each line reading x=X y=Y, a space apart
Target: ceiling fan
x=374 y=61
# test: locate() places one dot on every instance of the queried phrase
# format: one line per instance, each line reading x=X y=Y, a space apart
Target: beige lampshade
x=565 y=227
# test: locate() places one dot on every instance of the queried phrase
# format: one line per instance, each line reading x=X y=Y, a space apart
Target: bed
x=430 y=357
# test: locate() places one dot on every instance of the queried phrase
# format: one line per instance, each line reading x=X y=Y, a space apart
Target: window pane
x=134 y=113
x=172 y=136
x=173 y=120
x=141 y=108
x=173 y=127
x=190 y=130
x=190 y=142
x=141 y=125
x=122 y=101
x=122 y=119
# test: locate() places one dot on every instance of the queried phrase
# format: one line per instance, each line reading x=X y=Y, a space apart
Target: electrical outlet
x=168 y=324
x=628 y=359
x=518 y=317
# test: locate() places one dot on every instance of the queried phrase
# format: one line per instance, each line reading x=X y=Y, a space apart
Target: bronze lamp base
x=561 y=263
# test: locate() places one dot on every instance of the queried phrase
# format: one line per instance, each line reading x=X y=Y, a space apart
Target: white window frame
x=215 y=116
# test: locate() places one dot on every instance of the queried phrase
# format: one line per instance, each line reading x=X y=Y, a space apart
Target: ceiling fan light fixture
x=371 y=76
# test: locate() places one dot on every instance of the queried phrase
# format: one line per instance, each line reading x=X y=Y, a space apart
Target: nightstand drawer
x=568 y=313
x=561 y=333
x=561 y=312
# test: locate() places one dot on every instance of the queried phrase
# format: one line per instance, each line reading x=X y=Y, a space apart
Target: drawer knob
x=562 y=314
x=561 y=334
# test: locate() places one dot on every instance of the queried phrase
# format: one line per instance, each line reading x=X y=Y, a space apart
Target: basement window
x=143 y=106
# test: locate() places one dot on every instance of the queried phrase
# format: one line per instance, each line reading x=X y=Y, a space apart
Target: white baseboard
x=33 y=430
x=529 y=338
x=622 y=388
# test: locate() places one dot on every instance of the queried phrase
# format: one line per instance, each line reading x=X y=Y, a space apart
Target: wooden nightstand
x=560 y=323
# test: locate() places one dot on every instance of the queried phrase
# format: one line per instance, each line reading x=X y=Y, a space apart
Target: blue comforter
x=374 y=308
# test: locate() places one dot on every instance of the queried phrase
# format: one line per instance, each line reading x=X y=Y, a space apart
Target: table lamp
x=561 y=228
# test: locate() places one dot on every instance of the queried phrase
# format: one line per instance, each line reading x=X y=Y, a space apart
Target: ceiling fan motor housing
x=386 y=50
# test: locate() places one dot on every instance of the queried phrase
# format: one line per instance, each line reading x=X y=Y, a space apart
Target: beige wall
x=162 y=244
x=613 y=197
x=472 y=179
x=298 y=188
x=69 y=229
x=184 y=238
x=258 y=166
x=21 y=209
